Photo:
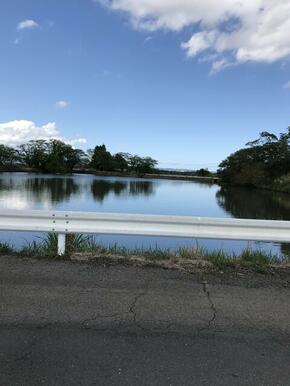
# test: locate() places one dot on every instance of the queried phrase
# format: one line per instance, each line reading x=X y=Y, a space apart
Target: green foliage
x=5 y=248
x=8 y=156
x=203 y=173
x=34 y=154
x=142 y=165
x=120 y=162
x=32 y=249
x=257 y=257
x=221 y=259
x=52 y=156
x=103 y=160
x=260 y=163
x=55 y=156
x=47 y=248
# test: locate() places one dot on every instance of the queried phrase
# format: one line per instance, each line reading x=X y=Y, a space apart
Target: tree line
x=264 y=162
x=55 y=156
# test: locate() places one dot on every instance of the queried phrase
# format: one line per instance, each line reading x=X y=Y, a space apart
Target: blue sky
x=79 y=69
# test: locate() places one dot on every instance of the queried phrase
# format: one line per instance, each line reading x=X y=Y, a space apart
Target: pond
x=144 y=196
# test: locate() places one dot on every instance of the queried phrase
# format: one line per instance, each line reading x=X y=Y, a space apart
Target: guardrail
x=64 y=223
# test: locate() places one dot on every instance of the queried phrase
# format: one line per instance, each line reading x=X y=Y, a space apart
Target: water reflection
x=102 y=188
x=253 y=203
x=56 y=189
x=37 y=190
x=144 y=188
x=24 y=191
x=256 y=204
x=130 y=195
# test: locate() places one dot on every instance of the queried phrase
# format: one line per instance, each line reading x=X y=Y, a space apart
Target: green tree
x=141 y=165
x=52 y=156
x=8 y=156
x=260 y=162
x=62 y=157
x=34 y=154
x=203 y=173
x=102 y=159
x=120 y=162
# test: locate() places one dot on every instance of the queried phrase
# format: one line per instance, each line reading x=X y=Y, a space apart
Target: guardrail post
x=61 y=244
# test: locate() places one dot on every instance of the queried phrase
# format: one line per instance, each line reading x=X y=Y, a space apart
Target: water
x=132 y=195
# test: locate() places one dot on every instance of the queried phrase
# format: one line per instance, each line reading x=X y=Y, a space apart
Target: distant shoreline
x=180 y=177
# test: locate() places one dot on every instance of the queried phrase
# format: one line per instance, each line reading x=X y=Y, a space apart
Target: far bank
x=181 y=176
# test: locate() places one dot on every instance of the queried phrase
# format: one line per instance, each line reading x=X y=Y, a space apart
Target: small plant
x=5 y=248
x=192 y=253
x=47 y=247
x=32 y=249
x=257 y=257
x=152 y=254
x=221 y=259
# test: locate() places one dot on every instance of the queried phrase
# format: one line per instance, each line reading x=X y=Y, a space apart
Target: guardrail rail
x=64 y=223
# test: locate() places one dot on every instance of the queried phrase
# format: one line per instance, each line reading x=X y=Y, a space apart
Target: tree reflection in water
x=40 y=189
x=255 y=204
x=59 y=189
x=141 y=188
x=102 y=188
x=56 y=189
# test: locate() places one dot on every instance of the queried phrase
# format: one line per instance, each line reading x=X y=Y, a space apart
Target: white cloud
x=236 y=31
x=27 y=24
x=62 y=104
x=77 y=141
x=148 y=39
x=199 y=42
x=14 y=133
x=286 y=85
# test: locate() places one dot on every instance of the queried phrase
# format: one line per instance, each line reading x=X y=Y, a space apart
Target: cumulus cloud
x=232 y=31
x=14 y=133
x=27 y=24
x=62 y=104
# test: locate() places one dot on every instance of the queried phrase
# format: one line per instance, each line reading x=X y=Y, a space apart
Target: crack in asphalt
x=133 y=311
x=132 y=308
x=206 y=291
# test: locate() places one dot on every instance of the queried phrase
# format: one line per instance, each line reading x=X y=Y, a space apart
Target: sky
x=186 y=82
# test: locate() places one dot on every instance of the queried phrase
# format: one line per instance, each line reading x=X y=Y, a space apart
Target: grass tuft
x=82 y=244
x=5 y=248
x=220 y=259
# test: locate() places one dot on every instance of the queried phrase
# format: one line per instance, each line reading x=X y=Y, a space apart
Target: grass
x=5 y=249
x=47 y=246
x=88 y=246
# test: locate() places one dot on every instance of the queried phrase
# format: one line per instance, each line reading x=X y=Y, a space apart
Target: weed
x=5 y=248
x=47 y=247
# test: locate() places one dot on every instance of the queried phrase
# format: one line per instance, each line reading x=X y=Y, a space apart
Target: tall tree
x=8 y=156
x=120 y=162
x=260 y=162
x=34 y=154
x=52 y=156
x=102 y=159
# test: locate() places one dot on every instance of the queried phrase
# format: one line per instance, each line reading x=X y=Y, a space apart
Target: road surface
x=64 y=323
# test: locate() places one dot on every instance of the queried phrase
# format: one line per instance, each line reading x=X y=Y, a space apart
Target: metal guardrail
x=63 y=223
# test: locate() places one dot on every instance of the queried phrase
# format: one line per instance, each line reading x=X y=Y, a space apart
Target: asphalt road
x=65 y=323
